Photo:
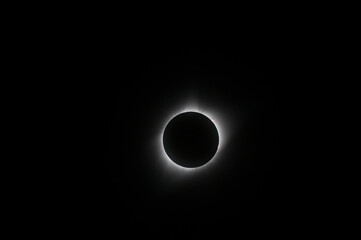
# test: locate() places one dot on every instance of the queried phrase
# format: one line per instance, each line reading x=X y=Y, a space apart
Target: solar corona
x=191 y=140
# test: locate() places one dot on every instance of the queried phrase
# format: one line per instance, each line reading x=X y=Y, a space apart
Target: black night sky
x=128 y=85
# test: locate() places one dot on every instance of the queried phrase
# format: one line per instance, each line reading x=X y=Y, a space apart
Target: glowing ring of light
x=217 y=137
x=215 y=118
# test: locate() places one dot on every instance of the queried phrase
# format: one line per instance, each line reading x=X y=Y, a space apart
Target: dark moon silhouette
x=190 y=139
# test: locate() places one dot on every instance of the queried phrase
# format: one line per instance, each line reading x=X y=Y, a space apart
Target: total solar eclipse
x=190 y=139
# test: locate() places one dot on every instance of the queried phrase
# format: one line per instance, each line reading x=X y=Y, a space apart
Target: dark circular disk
x=190 y=139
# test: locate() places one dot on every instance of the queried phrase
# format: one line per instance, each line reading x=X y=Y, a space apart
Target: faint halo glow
x=168 y=163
